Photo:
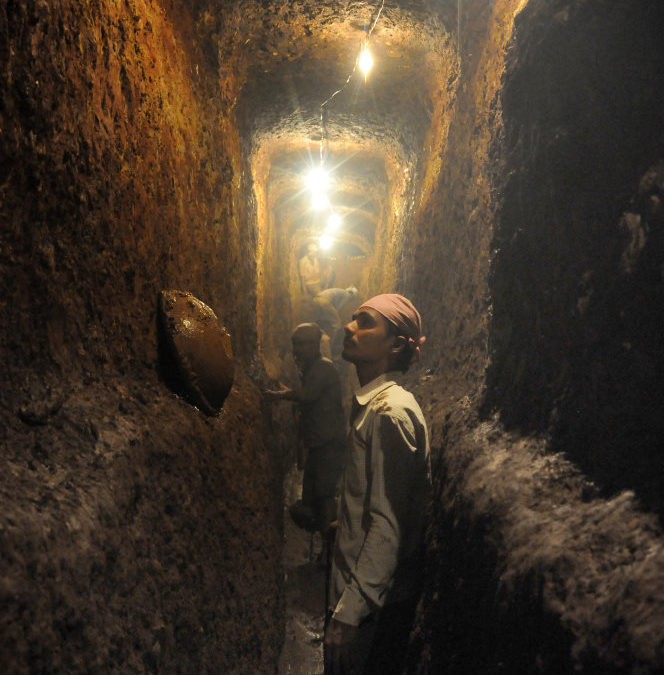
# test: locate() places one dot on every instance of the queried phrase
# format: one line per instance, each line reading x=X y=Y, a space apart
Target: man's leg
x=390 y=642
x=309 y=480
x=381 y=644
x=326 y=512
x=303 y=511
x=351 y=659
x=328 y=460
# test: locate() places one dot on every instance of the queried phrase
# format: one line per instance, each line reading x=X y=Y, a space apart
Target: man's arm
x=285 y=394
x=315 y=381
x=393 y=449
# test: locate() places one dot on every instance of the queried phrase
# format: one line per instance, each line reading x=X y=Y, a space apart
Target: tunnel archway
x=373 y=136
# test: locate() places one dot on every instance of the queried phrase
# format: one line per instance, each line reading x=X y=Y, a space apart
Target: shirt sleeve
x=393 y=449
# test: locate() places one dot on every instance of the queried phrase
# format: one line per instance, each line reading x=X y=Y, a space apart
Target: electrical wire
x=459 y=35
x=324 y=104
x=376 y=19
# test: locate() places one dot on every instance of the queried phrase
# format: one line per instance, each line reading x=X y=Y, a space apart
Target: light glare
x=365 y=62
x=325 y=242
x=334 y=222
x=317 y=180
x=319 y=201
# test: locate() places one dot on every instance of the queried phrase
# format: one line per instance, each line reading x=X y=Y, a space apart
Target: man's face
x=367 y=337
x=311 y=250
x=305 y=351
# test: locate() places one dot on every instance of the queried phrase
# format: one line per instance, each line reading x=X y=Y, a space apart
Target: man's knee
x=326 y=508
x=303 y=516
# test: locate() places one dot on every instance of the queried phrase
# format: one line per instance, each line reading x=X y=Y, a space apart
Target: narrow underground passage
x=501 y=165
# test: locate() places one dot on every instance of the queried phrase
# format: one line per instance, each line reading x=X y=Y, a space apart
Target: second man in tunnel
x=322 y=426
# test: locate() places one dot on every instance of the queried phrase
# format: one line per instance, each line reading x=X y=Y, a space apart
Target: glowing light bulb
x=319 y=201
x=325 y=242
x=365 y=62
x=317 y=180
x=334 y=222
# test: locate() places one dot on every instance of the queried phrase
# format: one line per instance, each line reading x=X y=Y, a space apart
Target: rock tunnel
x=502 y=164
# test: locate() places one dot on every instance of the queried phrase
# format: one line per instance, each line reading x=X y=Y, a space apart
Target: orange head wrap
x=400 y=312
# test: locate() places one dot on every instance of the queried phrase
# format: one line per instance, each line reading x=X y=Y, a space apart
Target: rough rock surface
x=501 y=166
x=136 y=535
x=544 y=556
x=577 y=279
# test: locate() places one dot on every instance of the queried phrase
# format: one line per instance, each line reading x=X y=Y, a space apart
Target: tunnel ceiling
x=372 y=134
x=356 y=192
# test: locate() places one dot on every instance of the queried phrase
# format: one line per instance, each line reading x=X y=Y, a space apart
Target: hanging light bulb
x=333 y=222
x=317 y=180
x=319 y=201
x=325 y=242
x=365 y=61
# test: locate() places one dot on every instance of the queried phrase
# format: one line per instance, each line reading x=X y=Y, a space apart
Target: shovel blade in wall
x=200 y=345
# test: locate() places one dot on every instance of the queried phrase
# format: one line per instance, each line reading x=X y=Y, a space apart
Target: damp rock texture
x=502 y=165
x=137 y=535
x=577 y=282
x=545 y=397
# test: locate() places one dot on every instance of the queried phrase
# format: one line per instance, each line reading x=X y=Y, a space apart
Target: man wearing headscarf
x=385 y=490
x=309 y=268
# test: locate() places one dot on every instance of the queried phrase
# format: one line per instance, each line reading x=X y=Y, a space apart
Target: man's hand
x=276 y=394
x=338 y=633
x=273 y=394
x=339 y=638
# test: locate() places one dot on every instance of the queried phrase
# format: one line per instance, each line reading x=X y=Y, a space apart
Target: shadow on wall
x=516 y=630
x=577 y=280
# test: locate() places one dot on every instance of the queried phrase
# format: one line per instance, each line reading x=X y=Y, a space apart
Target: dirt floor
x=304 y=584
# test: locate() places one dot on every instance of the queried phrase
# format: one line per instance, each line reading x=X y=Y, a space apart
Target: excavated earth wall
x=546 y=548
x=136 y=533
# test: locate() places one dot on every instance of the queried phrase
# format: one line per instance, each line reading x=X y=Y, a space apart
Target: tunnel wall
x=529 y=570
x=577 y=281
x=448 y=280
x=275 y=304
x=541 y=376
x=137 y=535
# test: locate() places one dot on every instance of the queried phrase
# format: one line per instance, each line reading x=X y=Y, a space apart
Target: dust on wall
x=138 y=535
x=547 y=272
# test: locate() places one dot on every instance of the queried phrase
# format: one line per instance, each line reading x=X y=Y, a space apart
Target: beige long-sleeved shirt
x=385 y=491
x=310 y=274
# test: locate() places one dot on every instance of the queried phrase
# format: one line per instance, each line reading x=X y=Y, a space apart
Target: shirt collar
x=368 y=391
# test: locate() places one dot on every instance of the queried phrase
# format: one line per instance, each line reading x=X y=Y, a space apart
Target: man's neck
x=307 y=364
x=366 y=372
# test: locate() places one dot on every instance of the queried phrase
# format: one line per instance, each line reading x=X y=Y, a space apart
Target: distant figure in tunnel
x=377 y=563
x=321 y=432
x=309 y=269
x=326 y=307
x=327 y=274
